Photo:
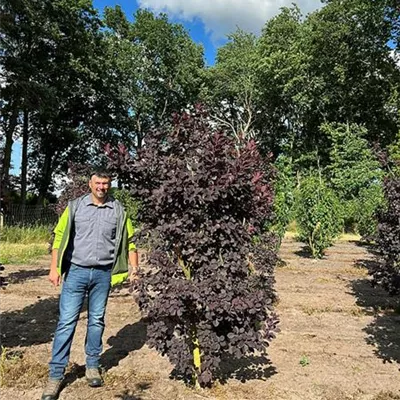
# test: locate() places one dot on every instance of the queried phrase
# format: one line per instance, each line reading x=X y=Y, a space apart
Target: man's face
x=99 y=186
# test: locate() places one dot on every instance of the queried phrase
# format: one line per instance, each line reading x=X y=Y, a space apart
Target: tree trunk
x=46 y=176
x=5 y=172
x=24 y=158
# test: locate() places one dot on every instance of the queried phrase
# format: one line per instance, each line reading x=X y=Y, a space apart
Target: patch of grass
x=386 y=396
x=292 y=227
x=355 y=311
x=25 y=235
x=15 y=253
x=291 y=235
x=324 y=280
x=304 y=361
x=356 y=368
x=311 y=310
x=130 y=377
x=289 y=267
x=347 y=236
x=18 y=370
x=354 y=271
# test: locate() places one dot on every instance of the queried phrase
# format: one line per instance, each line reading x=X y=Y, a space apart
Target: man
x=90 y=250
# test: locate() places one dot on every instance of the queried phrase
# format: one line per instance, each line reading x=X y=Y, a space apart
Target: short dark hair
x=101 y=173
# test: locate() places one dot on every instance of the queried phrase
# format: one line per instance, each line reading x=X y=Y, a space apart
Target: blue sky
x=195 y=28
x=210 y=21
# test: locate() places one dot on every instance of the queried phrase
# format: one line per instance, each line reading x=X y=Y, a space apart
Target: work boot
x=93 y=377
x=52 y=389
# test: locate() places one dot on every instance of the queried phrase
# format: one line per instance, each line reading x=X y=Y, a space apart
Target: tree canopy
x=74 y=81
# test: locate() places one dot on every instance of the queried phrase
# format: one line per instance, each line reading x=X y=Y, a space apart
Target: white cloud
x=221 y=17
x=396 y=56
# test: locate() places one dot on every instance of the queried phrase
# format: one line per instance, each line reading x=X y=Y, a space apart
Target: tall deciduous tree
x=232 y=89
x=158 y=68
x=49 y=69
x=281 y=75
x=333 y=66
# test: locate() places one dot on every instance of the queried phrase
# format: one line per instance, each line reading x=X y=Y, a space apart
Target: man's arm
x=54 y=276
x=132 y=252
x=134 y=262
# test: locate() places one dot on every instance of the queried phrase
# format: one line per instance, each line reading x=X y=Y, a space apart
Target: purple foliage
x=387 y=272
x=205 y=199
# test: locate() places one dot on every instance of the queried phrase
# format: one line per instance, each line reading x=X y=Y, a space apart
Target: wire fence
x=29 y=215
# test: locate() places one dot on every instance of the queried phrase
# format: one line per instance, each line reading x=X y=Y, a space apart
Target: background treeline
x=318 y=92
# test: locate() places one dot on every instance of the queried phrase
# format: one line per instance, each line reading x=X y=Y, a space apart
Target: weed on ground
x=20 y=370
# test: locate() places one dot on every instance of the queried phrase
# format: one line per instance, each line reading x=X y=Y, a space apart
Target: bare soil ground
x=339 y=339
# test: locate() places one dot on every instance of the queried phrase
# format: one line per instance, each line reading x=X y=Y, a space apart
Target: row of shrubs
x=321 y=215
x=326 y=196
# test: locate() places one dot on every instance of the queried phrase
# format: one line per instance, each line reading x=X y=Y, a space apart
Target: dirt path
x=339 y=339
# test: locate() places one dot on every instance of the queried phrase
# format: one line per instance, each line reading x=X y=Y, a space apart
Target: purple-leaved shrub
x=208 y=291
x=387 y=271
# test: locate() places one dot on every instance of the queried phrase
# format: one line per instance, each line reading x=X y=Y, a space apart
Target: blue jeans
x=79 y=282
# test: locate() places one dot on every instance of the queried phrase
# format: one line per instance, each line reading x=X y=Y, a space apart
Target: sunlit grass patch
x=16 y=253
x=25 y=235
x=354 y=271
x=386 y=396
x=19 y=370
x=291 y=233
x=354 y=311
x=137 y=382
x=349 y=237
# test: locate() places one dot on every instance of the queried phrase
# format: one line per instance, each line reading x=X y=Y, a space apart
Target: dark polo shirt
x=93 y=234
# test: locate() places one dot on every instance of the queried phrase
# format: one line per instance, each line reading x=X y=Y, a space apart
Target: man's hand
x=134 y=262
x=134 y=276
x=54 y=277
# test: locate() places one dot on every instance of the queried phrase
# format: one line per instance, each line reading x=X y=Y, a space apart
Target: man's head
x=100 y=183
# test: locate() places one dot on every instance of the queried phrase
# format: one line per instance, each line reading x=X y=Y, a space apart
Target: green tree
x=49 y=67
x=334 y=66
x=318 y=215
x=354 y=174
x=284 y=187
x=232 y=85
x=157 y=67
x=282 y=78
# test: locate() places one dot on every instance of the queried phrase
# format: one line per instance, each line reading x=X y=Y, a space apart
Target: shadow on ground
x=243 y=369
x=384 y=332
x=74 y=372
x=130 y=338
x=247 y=368
x=304 y=252
x=23 y=275
x=34 y=324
